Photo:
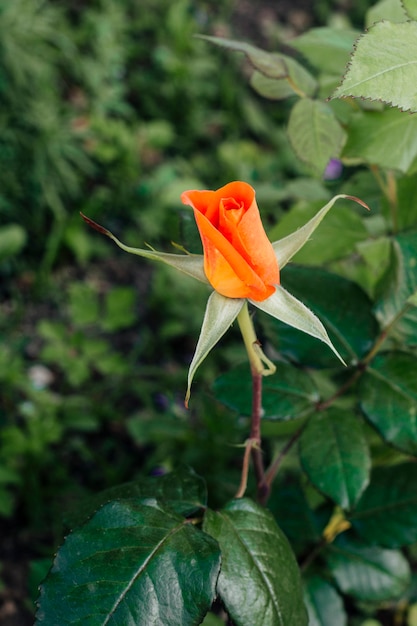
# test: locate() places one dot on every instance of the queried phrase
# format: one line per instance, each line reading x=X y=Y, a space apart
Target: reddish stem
x=255 y=435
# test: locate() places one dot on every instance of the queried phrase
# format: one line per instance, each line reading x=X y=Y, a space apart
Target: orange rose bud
x=239 y=260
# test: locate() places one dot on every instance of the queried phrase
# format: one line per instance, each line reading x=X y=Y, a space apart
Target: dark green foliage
x=133 y=563
x=259 y=580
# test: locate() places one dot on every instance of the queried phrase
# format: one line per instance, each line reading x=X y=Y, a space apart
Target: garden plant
x=275 y=483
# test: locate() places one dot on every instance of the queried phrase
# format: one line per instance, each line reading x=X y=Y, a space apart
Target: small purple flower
x=333 y=170
x=158 y=470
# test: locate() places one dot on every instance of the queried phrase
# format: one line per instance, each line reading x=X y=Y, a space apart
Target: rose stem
x=257 y=371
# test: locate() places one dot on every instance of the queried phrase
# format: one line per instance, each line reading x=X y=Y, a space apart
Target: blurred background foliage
x=113 y=108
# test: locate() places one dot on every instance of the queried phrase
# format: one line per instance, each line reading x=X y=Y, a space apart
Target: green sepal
x=190 y=264
x=220 y=314
x=287 y=247
x=378 y=71
x=286 y=308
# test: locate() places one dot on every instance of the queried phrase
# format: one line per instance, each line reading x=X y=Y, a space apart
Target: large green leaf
x=386 y=514
x=287 y=394
x=324 y=605
x=366 y=572
x=315 y=133
x=132 y=564
x=398 y=285
x=388 y=398
x=341 y=305
x=183 y=491
x=387 y=139
x=336 y=436
x=259 y=582
x=328 y=49
x=383 y=66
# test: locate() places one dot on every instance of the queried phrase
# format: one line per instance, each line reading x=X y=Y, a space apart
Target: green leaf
x=182 y=491
x=383 y=66
x=386 y=514
x=411 y=8
x=275 y=89
x=376 y=255
x=406 y=214
x=391 y=10
x=328 y=49
x=388 y=398
x=336 y=436
x=269 y=63
x=288 y=503
x=324 y=605
x=315 y=133
x=259 y=582
x=342 y=306
x=288 y=394
x=132 y=564
x=271 y=88
x=367 y=573
x=399 y=284
x=387 y=139
x=272 y=65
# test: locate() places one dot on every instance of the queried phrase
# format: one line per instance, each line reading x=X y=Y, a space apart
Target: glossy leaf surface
x=132 y=564
x=259 y=582
x=324 y=605
x=386 y=514
x=183 y=491
x=367 y=573
x=335 y=456
x=287 y=394
x=388 y=397
x=399 y=285
x=294 y=515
